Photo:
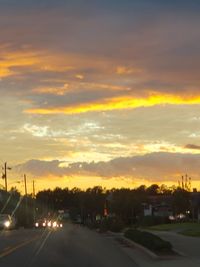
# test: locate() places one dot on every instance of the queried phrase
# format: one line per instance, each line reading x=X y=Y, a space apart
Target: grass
x=164 y=227
x=191 y=232
x=188 y=229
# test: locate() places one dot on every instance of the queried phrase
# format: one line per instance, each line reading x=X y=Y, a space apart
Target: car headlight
x=36 y=224
x=61 y=225
x=49 y=224
x=7 y=224
x=44 y=224
x=54 y=224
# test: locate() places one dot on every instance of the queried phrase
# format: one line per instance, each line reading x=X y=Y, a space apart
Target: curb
x=143 y=249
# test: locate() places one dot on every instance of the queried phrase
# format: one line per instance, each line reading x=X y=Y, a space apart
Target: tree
x=152 y=190
x=181 y=201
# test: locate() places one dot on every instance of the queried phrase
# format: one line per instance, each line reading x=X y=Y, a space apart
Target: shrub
x=93 y=225
x=148 y=240
x=111 y=224
x=107 y=224
x=153 y=220
x=116 y=225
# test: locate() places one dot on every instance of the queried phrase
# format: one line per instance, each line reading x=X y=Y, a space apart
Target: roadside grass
x=188 y=229
x=164 y=227
x=191 y=232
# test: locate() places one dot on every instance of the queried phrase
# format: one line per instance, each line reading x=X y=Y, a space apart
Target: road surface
x=72 y=246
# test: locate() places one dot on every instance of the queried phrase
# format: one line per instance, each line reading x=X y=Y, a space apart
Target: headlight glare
x=7 y=224
x=54 y=224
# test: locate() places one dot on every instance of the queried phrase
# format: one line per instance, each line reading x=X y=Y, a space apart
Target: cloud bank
x=153 y=167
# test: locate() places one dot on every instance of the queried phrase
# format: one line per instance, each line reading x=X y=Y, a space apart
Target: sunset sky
x=98 y=92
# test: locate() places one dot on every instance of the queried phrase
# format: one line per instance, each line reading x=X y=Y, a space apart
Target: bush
x=115 y=224
x=111 y=224
x=107 y=224
x=93 y=225
x=153 y=220
x=148 y=240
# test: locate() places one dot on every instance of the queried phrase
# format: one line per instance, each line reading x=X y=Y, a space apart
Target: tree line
x=126 y=204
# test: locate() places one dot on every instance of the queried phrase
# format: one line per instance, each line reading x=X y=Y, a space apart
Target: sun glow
x=120 y=103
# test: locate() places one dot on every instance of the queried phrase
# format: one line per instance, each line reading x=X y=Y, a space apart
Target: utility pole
x=33 y=188
x=26 y=203
x=33 y=199
x=25 y=185
x=4 y=176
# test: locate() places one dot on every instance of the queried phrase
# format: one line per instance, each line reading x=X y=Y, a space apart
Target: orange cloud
x=72 y=86
x=119 y=103
x=79 y=76
x=121 y=70
x=52 y=90
x=40 y=60
x=11 y=60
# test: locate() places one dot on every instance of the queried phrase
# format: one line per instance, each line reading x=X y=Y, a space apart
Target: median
x=149 y=241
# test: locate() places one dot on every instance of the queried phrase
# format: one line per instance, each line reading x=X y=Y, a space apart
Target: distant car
x=7 y=222
x=53 y=223
x=50 y=223
x=77 y=220
x=41 y=223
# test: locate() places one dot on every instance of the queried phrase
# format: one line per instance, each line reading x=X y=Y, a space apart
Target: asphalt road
x=72 y=246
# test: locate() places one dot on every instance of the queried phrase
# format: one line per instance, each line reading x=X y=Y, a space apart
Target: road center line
x=10 y=250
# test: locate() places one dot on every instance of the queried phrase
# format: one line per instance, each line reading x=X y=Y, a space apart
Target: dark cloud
x=160 y=39
x=41 y=168
x=154 y=166
x=191 y=146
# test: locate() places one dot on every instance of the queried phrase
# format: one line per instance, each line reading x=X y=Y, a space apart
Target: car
x=50 y=223
x=77 y=220
x=54 y=223
x=7 y=221
x=41 y=223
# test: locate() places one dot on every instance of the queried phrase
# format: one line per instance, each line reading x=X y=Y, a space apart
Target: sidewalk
x=145 y=259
